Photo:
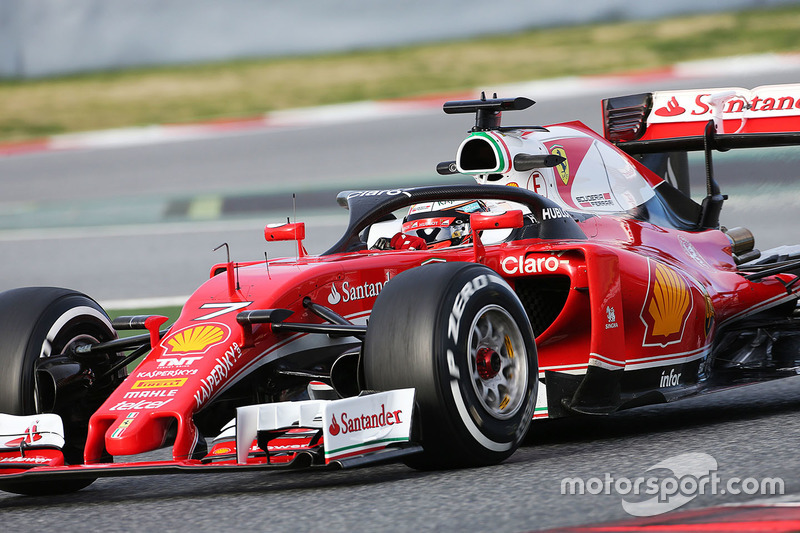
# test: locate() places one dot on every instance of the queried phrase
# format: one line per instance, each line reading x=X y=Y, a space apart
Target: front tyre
x=459 y=335
x=41 y=322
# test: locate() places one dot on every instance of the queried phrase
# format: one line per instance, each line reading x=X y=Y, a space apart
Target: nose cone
x=136 y=432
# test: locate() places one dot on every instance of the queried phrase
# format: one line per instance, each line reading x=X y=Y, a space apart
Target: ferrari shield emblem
x=563 y=168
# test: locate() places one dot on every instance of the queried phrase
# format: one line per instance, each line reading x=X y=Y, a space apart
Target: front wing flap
x=322 y=434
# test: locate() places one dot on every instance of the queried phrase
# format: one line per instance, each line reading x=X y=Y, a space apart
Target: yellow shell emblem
x=669 y=303
x=563 y=168
x=195 y=339
x=709 y=315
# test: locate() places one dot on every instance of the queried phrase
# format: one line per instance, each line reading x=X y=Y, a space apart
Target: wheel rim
x=77 y=325
x=498 y=362
x=78 y=339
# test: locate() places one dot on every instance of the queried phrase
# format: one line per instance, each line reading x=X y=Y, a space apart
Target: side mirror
x=508 y=219
x=484 y=221
x=287 y=232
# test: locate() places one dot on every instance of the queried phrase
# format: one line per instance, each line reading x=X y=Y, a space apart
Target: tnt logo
x=177 y=362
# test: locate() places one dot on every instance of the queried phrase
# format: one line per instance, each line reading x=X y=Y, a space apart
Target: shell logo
x=667 y=306
x=196 y=339
x=563 y=168
x=709 y=315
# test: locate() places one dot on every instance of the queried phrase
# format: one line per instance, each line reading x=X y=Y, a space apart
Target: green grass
x=30 y=109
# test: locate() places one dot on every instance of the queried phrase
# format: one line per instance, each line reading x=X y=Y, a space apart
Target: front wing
x=320 y=434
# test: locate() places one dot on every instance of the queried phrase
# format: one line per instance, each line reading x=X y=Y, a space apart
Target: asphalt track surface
x=750 y=432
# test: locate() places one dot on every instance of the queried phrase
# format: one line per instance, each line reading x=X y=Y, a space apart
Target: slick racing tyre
x=41 y=322
x=458 y=334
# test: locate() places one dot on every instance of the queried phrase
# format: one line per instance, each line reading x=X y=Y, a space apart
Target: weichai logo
x=195 y=339
x=353 y=423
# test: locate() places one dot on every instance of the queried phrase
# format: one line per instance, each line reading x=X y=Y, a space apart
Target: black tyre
x=41 y=322
x=459 y=335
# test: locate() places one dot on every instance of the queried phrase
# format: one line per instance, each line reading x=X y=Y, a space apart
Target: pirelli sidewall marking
x=463 y=296
x=460 y=302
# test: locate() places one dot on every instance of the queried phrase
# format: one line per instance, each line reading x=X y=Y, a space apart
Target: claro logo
x=531 y=264
x=355 y=423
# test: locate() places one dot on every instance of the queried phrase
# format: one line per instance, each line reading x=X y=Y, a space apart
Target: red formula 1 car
x=571 y=279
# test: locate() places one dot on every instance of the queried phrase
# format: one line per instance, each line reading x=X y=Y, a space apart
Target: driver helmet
x=438 y=222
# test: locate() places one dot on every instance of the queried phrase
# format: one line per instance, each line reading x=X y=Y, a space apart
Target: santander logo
x=731 y=103
x=334 y=428
x=672 y=109
x=353 y=423
x=351 y=292
x=334 y=297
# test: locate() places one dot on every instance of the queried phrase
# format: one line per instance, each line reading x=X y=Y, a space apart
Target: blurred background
x=51 y=37
x=96 y=64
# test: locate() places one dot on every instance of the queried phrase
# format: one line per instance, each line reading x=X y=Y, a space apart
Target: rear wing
x=676 y=120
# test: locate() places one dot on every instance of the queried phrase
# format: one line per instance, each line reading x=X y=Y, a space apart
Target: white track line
x=551 y=89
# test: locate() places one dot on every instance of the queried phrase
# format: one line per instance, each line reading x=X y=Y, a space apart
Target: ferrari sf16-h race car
x=572 y=279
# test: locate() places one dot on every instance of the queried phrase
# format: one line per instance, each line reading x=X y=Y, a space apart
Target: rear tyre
x=459 y=335
x=37 y=323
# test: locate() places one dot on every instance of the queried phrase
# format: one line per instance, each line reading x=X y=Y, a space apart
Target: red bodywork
x=621 y=296
x=629 y=266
